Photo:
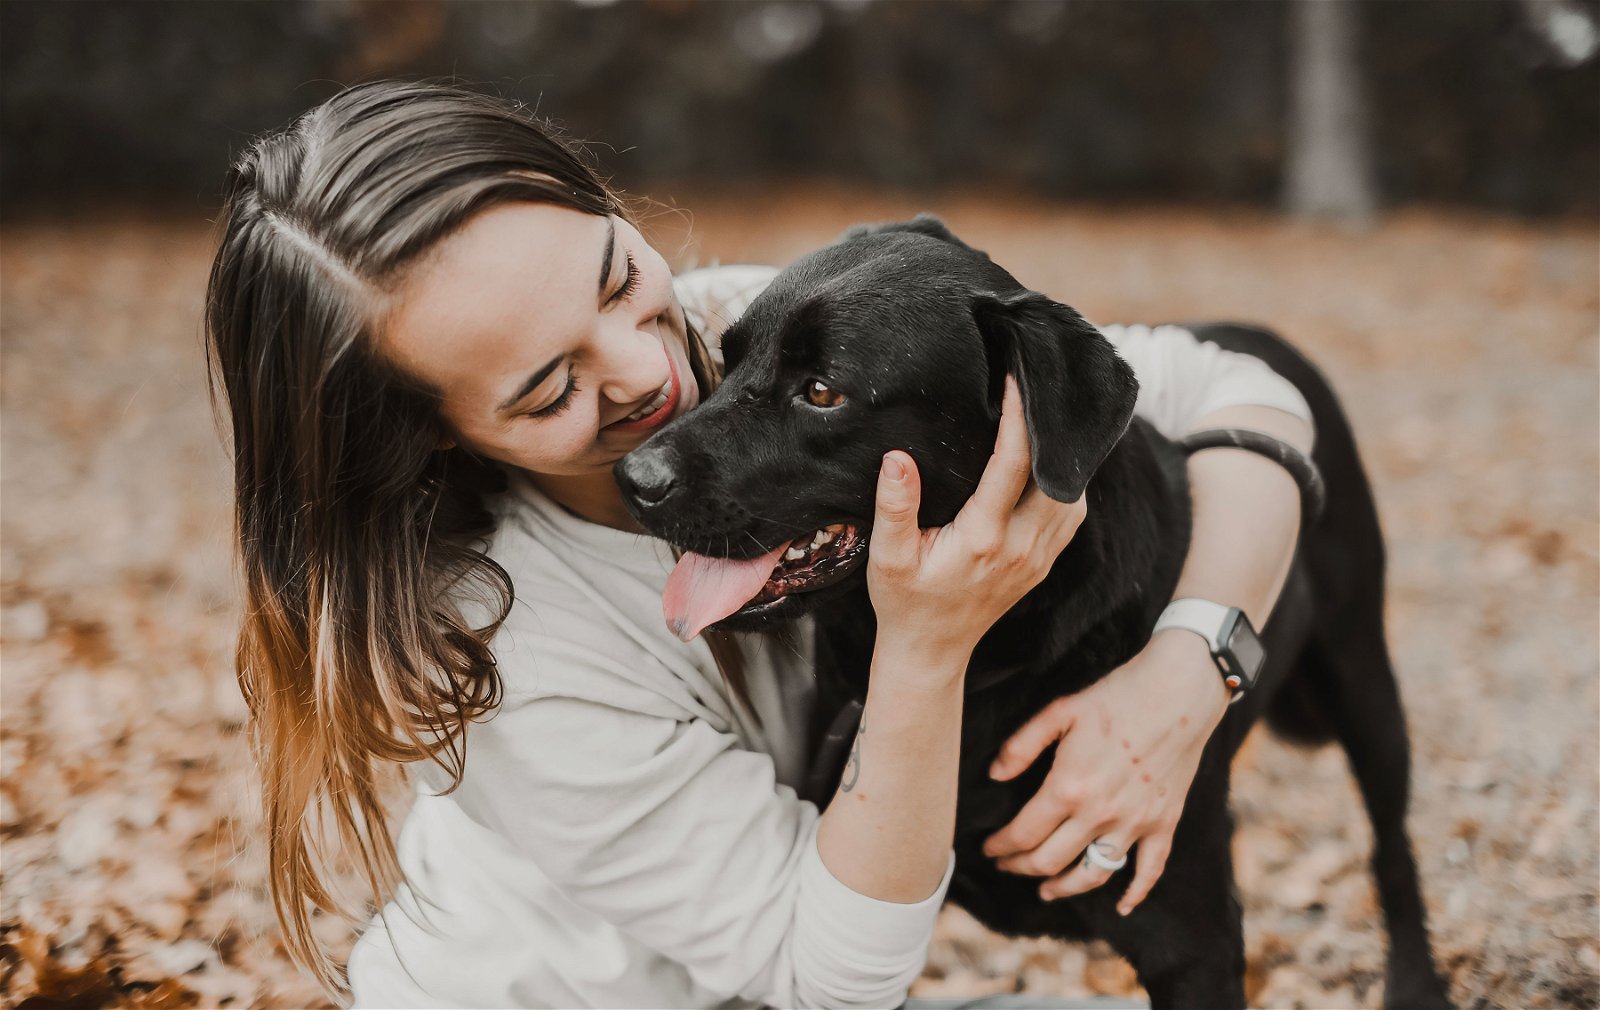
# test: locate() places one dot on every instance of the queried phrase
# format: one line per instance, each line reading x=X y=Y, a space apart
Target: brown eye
x=819 y=394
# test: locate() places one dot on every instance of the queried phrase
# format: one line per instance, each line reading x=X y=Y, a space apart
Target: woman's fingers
x=1056 y=852
x=1045 y=812
x=1153 y=852
x=1052 y=523
x=1085 y=876
x=1009 y=468
x=896 y=538
x=1033 y=824
x=1026 y=744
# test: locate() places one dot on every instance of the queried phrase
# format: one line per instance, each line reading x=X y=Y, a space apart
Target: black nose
x=647 y=475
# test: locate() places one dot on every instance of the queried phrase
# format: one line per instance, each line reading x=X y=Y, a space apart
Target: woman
x=436 y=329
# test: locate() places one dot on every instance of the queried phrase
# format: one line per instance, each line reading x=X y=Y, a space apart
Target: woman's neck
x=591 y=496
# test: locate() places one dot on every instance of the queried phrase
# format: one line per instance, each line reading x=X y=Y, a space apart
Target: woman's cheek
x=552 y=448
x=577 y=439
x=659 y=299
x=657 y=277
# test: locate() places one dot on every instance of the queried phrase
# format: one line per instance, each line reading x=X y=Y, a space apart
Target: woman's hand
x=1129 y=745
x=943 y=588
x=1128 y=749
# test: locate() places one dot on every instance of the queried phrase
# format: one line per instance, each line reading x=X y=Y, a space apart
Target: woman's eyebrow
x=605 y=259
x=527 y=387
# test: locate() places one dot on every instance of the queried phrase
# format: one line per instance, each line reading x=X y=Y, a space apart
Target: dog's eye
x=819 y=394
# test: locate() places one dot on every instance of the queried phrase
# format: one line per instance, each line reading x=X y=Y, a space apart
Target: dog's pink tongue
x=702 y=591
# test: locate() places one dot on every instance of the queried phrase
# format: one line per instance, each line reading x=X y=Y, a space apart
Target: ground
x=1464 y=348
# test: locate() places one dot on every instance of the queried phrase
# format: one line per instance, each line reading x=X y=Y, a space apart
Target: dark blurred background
x=1481 y=103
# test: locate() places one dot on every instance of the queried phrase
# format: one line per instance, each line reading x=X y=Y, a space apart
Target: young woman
x=436 y=330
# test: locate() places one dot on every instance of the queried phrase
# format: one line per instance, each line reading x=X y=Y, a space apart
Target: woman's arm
x=1246 y=515
x=888 y=831
x=1168 y=699
x=641 y=812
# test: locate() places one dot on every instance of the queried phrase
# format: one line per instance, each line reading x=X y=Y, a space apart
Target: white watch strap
x=1202 y=617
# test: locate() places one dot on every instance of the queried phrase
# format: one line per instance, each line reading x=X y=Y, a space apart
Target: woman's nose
x=636 y=364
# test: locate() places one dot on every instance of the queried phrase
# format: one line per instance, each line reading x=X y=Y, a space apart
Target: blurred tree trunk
x=1329 y=172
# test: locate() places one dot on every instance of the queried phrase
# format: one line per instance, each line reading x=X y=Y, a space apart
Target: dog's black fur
x=918 y=330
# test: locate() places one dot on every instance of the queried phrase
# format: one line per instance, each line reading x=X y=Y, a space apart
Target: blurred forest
x=1144 y=161
x=1488 y=103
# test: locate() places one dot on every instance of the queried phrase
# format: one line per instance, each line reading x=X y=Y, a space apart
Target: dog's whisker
x=778 y=522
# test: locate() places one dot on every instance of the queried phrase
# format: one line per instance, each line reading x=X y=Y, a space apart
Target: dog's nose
x=647 y=475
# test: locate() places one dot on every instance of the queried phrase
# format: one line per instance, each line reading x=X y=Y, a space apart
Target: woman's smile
x=660 y=408
x=544 y=332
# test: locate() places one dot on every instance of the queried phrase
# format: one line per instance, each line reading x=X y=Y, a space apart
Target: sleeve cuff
x=1248 y=382
x=875 y=929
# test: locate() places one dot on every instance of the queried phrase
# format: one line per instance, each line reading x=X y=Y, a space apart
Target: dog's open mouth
x=809 y=564
x=703 y=590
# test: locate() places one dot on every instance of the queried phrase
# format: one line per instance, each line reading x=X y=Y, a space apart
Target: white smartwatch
x=1235 y=647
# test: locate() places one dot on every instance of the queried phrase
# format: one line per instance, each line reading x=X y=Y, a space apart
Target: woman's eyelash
x=561 y=402
x=629 y=283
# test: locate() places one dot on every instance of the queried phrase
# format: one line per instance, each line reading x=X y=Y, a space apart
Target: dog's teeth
x=822 y=538
x=793 y=554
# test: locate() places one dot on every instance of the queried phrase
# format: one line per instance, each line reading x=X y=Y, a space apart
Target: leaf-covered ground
x=1465 y=349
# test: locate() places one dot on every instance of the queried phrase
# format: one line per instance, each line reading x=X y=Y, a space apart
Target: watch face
x=1247 y=649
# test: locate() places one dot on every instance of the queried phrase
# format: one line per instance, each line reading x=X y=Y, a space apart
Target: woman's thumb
x=894 y=528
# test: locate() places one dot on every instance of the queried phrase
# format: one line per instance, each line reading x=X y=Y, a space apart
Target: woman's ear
x=1077 y=392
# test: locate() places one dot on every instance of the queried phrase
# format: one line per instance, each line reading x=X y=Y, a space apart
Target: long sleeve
x=669 y=830
x=1182 y=379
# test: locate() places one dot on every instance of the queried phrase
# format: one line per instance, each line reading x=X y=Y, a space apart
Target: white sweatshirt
x=624 y=834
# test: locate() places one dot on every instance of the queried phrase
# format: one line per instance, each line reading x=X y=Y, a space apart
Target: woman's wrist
x=1190 y=676
x=915 y=657
x=887 y=834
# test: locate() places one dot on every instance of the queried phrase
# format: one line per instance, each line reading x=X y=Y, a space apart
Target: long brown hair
x=359 y=539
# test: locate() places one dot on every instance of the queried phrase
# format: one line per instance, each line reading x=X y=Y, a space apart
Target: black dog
x=899 y=337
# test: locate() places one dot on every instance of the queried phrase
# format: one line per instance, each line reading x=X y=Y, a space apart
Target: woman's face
x=553 y=336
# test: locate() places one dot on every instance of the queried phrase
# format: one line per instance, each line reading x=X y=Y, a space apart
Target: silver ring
x=1096 y=855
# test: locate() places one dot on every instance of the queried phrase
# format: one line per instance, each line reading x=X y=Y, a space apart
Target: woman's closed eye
x=630 y=281
x=561 y=402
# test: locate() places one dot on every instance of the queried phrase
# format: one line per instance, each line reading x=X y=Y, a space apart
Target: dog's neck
x=1118 y=571
x=1120 y=568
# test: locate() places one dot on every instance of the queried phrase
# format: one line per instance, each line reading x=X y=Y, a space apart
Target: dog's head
x=897 y=336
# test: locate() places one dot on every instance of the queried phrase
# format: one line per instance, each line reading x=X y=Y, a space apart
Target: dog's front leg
x=1186 y=941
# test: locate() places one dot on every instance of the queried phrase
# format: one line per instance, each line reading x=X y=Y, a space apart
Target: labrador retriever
x=899 y=337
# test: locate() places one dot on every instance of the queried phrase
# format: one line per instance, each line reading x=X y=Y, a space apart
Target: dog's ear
x=1077 y=392
x=922 y=224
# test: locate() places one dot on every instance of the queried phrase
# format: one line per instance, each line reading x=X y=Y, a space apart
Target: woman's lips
x=661 y=414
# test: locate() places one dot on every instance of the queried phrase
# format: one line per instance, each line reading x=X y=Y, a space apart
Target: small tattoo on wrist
x=852 y=767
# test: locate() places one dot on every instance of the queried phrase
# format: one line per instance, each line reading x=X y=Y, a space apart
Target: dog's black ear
x=922 y=224
x=1077 y=392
